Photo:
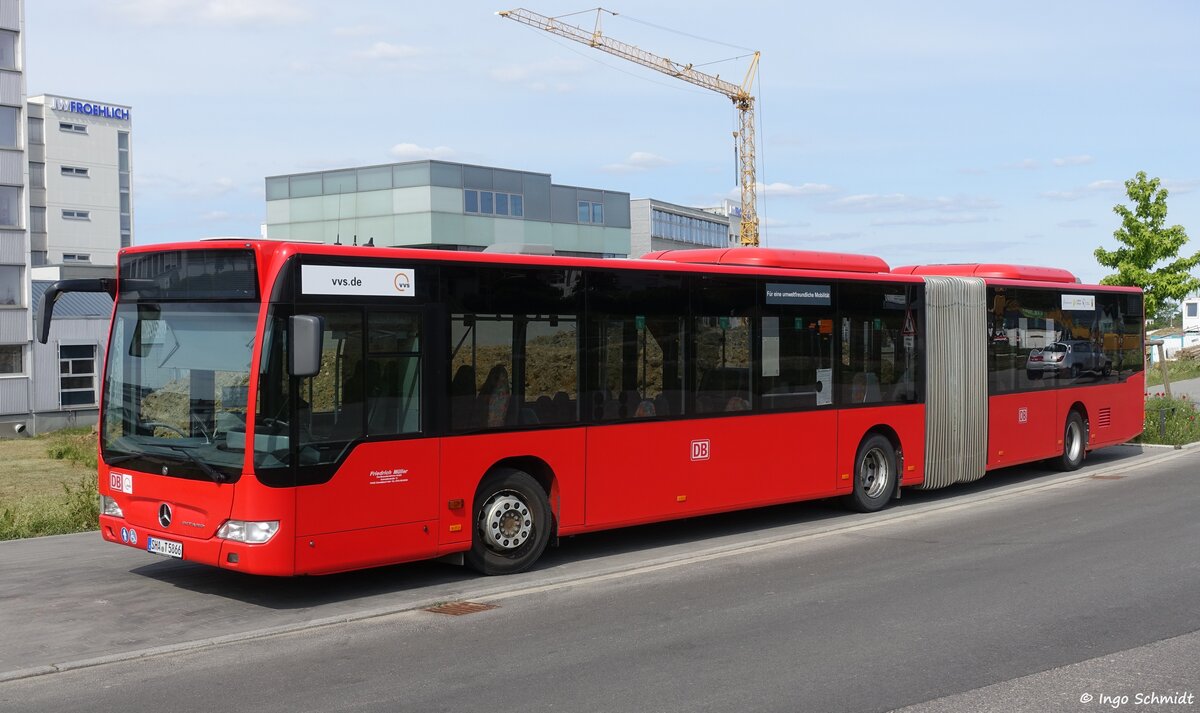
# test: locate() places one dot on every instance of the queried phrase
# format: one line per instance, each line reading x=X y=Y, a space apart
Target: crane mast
x=742 y=99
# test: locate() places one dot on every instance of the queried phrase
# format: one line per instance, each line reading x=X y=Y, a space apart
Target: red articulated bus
x=286 y=409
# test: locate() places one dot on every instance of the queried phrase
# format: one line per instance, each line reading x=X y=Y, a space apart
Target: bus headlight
x=251 y=532
x=108 y=506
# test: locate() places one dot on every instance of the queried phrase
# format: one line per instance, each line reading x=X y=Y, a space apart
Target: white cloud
x=953 y=219
x=214 y=216
x=973 y=248
x=1081 y=160
x=904 y=203
x=387 y=52
x=638 y=162
x=1074 y=194
x=1176 y=186
x=1028 y=164
x=1078 y=223
x=552 y=75
x=183 y=188
x=355 y=31
x=413 y=152
x=787 y=190
x=212 y=12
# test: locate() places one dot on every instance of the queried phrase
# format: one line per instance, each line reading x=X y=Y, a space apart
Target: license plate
x=166 y=548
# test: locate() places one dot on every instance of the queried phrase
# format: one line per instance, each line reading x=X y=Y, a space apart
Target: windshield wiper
x=216 y=475
x=122 y=458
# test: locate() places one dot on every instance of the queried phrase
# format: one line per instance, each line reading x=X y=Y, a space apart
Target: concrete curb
x=508 y=591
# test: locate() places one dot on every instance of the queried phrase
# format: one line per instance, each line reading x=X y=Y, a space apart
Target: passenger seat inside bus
x=462 y=399
x=495 y=398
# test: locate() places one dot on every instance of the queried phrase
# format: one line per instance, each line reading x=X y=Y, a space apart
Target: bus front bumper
x=275 y=557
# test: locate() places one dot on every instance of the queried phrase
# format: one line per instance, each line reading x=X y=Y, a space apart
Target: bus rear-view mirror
x=304 y=351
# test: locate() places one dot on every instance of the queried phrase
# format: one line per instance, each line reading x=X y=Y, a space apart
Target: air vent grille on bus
x=1104 y=418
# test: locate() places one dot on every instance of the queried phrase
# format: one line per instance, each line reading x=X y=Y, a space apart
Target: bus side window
x=394 y=376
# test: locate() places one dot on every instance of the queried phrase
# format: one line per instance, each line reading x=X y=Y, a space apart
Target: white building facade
x=15 y=321
x=80 y=199
x=1191 y=314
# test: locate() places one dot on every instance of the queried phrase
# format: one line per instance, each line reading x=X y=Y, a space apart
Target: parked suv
x=1068 y=358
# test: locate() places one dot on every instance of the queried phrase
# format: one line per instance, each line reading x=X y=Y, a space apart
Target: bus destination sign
x=361 y=281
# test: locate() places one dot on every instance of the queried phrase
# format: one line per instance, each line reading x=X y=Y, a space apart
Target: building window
x=123 y=187
x=10 y=206
x=10 y=359
x=77 y=257
x=76 y=214
x=10 y=286
x=75 y=171
x=37 y=130
x=8 y=50
x=72 y=128
x=37 y=219
x=591 y=212
x=10 y=122
x=1191 y=308
x=492 y=203
x=77 y=374
x=37 y=175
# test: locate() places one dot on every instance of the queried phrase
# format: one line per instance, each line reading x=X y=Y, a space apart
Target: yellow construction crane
x=742 y=99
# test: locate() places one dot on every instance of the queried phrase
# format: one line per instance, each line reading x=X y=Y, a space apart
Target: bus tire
x=875 y=473
x=1075 y=439
x=511 y=523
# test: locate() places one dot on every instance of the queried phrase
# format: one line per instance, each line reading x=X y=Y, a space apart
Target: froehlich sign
x=103 y=111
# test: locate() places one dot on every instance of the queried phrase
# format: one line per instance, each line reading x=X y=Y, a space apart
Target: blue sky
x=916 y=131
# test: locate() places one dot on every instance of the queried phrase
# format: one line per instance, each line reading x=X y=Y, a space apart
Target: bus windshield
x=176 y=386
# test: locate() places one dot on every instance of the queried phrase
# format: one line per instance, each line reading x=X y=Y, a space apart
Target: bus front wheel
x=511 y=523
x=875 y=473
x=1074 y=443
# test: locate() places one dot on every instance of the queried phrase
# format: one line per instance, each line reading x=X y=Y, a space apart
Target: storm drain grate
x=1107 y=477
x=460 y=608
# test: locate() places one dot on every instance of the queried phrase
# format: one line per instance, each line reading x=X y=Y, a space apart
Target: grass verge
x=48 y=484
x=1178 y=370
x=1170 y=422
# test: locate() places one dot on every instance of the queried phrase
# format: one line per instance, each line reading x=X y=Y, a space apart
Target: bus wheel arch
x=878 y=469
x=1076 y=439
x=511 y=518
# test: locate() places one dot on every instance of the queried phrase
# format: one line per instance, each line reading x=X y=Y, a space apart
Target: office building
x=658 y=225
x=80 y=200
x=15 y=321
x=437 y=204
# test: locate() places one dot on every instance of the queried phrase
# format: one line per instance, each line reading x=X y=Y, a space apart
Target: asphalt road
x=1026 y=591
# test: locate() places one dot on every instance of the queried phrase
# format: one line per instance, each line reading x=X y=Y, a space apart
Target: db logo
x=700 y=450
x=1022 y=415
x=120 y=483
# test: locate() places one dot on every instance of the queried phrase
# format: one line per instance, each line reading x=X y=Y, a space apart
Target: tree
x=1147 y=242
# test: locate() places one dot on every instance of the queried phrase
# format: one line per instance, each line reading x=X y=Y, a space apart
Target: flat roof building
x=438 y=204
x=658 y=225
x=80 y=200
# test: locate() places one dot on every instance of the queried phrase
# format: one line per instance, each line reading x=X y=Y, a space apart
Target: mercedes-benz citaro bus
x=282 y=409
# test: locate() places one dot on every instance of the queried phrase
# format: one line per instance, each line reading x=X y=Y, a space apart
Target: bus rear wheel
x=875 y=473
x=1074 y=443
x=511 y=519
